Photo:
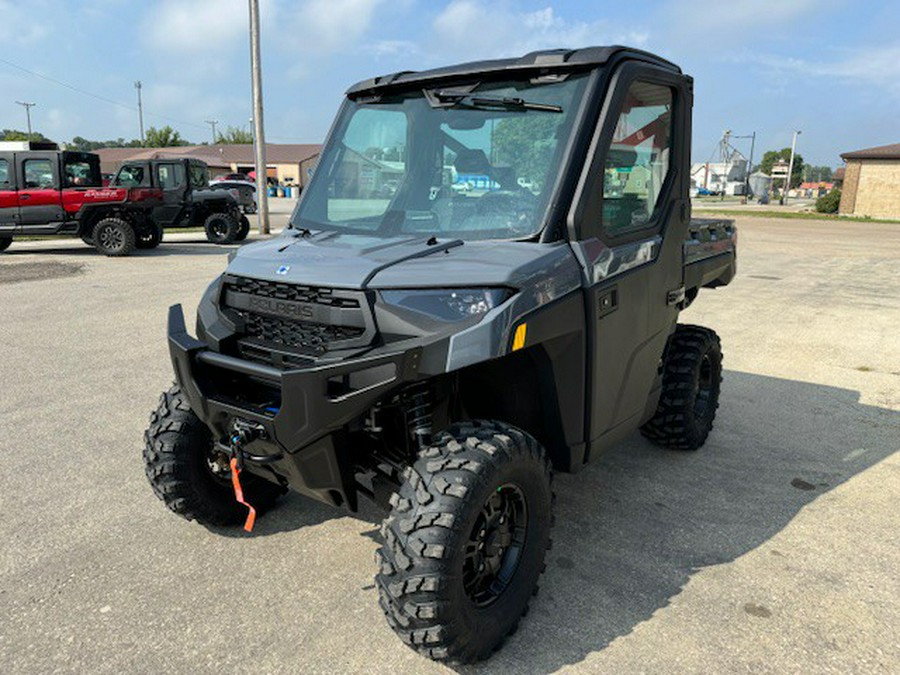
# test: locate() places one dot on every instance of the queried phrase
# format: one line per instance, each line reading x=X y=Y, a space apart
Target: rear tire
x=114 y=237
x=454 y=576
x=221 y=228
x=692 y=375
x=243 y=229
x=149 y=237
x=5 y=242
x=188 y=476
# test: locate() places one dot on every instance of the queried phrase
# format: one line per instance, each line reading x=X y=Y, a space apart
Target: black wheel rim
x=219 y=228
x=111 y=238
x=704 y=388
x=495 y=546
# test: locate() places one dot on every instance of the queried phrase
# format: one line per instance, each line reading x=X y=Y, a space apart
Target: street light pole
x=787 y=181
x=28 y=107
x=137 y=85
x=259 y=139
x=213 y=124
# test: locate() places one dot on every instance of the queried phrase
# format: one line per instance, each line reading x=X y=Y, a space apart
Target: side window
x=199 y=176
x=371 y=168
x=130 y=176
x=638 y=159
x=170 y=176
x=38 y=173
x=4 y=173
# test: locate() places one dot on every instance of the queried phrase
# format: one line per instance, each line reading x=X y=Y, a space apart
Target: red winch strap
x=239 y=494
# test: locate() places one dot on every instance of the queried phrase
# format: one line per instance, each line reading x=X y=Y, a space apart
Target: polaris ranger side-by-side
x=480 y=284
x=188 y=201
x=48 y=192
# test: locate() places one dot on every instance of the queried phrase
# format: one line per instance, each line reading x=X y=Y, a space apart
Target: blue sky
x=828 y=67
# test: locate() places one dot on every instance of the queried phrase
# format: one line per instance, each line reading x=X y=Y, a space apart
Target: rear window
x=4 y=172
x=81 y=172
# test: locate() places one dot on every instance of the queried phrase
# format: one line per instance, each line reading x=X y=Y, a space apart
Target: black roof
x=547 y=60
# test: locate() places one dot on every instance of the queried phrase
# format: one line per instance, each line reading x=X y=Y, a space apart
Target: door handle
x=25 y=196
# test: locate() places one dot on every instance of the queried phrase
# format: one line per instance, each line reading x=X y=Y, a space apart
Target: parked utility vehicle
x=441 y=350
x=49 y=192
x=188 y=200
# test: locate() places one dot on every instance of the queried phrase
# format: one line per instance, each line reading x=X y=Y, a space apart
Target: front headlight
x=448 y=304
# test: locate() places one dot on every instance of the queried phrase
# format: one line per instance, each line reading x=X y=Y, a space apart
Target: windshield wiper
x=467 y=99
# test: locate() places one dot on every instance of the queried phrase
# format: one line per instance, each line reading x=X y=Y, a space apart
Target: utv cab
x=480 y=286
x=60 y=193
x=187 y=199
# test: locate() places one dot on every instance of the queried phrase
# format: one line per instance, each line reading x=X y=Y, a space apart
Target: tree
x=525 y=143
x=819 y=174
x=81 y=144
x=17 y=135
x=235 y=135
x=773 y=156
x=166 y=137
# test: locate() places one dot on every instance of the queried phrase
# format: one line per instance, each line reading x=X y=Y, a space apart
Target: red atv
x=52 y=192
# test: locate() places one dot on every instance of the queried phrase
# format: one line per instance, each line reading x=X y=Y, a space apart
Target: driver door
x=632 y=220
x=171 y=177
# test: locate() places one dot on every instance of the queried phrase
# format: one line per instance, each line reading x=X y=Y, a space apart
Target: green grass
x=792 y=215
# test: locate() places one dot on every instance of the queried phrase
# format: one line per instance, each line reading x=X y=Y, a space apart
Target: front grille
x=277 y=319
x=281 y=291
x=293 y=334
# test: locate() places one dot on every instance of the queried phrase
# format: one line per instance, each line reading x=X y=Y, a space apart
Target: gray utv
x=480 y=286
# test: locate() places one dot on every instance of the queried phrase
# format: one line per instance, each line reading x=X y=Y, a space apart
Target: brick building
x=871 y=182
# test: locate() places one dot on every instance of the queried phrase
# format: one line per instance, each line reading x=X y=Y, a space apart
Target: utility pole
x=213 y=124
x=787 y=181
x=137 y=85
x=259 y=139
x=28 y=107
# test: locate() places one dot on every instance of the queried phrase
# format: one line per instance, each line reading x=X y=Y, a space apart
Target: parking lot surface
x=775 y=548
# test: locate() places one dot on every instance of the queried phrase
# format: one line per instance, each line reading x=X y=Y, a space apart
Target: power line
x=96 y=96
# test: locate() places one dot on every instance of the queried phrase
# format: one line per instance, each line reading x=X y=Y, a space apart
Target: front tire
x=692 y=375
x=188 y=475
x=5 y=242
x=465 y=541
x=114 y=237
x=243 y=229
x=221 y=228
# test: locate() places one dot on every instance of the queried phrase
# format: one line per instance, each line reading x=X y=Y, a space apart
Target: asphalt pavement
x=775 y=548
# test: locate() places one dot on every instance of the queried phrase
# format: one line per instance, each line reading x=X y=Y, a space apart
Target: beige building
x=287 y=164
x=871 y=182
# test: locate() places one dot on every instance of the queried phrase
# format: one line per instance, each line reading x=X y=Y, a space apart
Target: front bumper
x=303 y=412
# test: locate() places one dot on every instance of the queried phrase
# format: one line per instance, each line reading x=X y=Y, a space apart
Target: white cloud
x=728 y=22
x=874 y=66
x=200 y=26
x=18 y=23
x=481 y=29
x=325 y=25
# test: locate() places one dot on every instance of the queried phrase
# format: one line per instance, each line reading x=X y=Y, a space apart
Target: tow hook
x=242 y=434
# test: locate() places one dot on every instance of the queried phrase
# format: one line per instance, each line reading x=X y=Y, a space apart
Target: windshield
x=463 y=162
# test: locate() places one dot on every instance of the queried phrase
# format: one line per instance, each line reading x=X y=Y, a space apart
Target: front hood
x=354 y=261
